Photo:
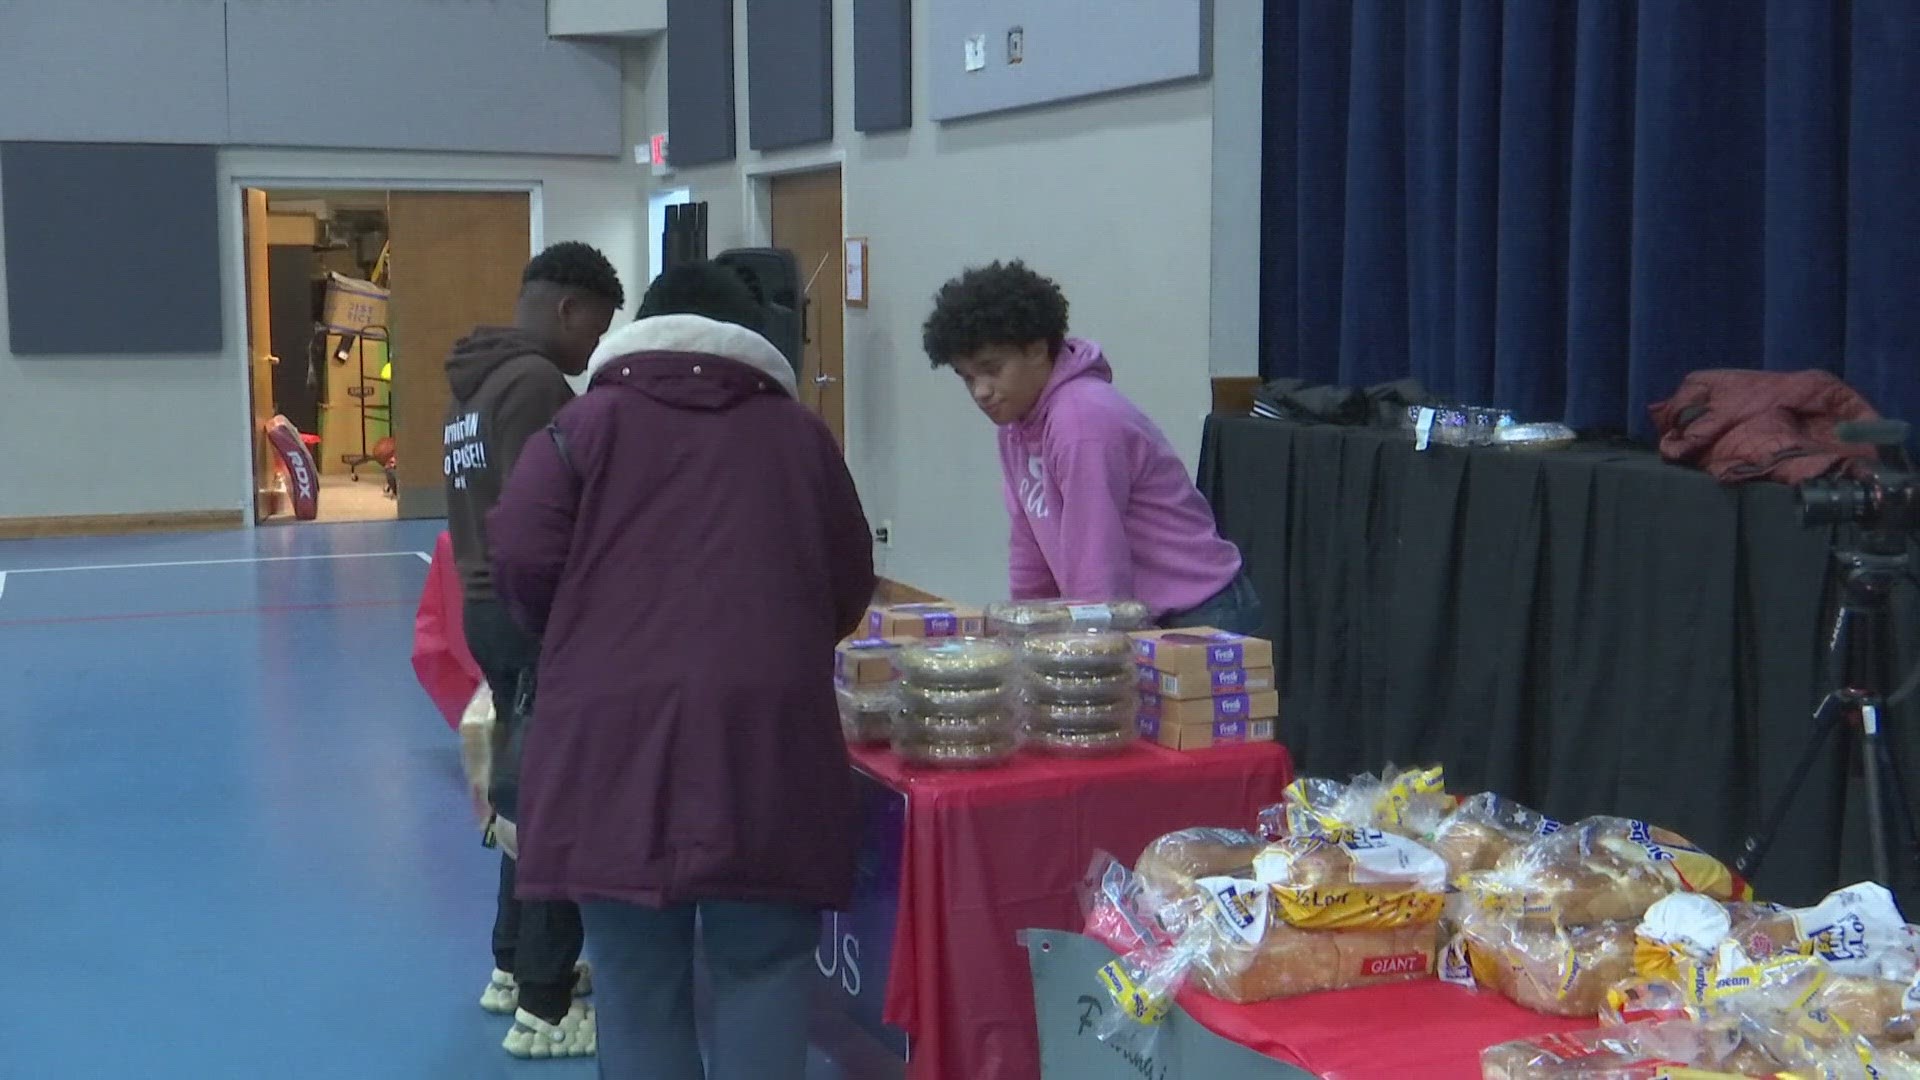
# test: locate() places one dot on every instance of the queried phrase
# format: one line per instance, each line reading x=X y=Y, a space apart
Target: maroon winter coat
x=689 y=546
x=1762 y=425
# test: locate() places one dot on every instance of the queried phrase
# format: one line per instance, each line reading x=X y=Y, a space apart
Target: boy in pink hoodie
x=1101 y=507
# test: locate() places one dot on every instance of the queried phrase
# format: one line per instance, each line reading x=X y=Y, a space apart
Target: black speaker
x=684 y=239
x=774 y=276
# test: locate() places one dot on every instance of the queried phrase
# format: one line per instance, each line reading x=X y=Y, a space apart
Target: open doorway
x=354 y=298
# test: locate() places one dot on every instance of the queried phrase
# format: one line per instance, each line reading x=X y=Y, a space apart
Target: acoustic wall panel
x=1039 y=52
x=699 y=82
x=882 y=65
x=111 y=249
x=789 y=73
x=476 y=76
x=113 y=70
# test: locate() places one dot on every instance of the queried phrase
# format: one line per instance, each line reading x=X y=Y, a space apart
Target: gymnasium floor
x=233 y=841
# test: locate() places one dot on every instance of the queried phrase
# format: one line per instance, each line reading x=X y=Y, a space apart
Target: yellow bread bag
x=1248 y=954
x=1410 y=802
x=1365 y=880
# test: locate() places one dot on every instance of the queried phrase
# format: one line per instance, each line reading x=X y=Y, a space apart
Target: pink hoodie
x=1102 y=508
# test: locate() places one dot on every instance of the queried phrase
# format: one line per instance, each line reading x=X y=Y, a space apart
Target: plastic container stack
x=1023 y=618
x=956 y=704
x=868 y=700
x=1080 y=693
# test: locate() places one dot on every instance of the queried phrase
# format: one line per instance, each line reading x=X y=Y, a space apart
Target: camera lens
x=1834 y=502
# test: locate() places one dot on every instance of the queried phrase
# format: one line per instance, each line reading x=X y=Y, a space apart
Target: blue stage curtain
x=1564 y=206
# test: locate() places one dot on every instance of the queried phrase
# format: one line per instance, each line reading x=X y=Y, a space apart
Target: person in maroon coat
x=686 y=542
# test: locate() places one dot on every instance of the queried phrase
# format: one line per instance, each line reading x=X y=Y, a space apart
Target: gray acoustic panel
x=1070 y=49
x=113 y=70
x=882 y=65
x=476 y=76
x=111 y=249
x=700 y=127
x=789 y=73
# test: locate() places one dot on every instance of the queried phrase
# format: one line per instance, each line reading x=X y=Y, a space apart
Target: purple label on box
x=945 y=624
x=1230 y=731
x=1149 y=724
x=1226 y=655
x=1223 y=649
x=1232 y=705
x=1232 y=678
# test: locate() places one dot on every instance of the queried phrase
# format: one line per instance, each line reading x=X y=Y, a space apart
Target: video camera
x=1887 y=498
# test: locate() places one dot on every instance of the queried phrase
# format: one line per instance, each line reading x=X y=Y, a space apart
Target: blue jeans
x=1235 y=609
x=759 y=964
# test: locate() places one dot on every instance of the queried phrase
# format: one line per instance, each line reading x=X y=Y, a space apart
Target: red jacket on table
x=690 y=548
x=1761 y=425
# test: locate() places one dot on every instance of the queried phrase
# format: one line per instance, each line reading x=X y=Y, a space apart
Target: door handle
x=825 y=380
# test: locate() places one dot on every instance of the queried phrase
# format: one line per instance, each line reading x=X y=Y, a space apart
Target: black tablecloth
x=1589 y=631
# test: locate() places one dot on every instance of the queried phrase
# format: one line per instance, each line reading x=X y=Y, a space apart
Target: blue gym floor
x=234 y=843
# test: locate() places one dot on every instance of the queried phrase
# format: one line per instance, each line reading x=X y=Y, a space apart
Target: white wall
x=119 y=435
x=1237 y=68
x=1112 y=196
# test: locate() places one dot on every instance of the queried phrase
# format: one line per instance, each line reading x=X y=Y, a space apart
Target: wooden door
x=457 y=260
x=259 y=348
x=806 y=221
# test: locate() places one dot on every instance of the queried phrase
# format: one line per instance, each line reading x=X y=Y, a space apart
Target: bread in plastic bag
x=1476 y=834
x=1157 y=940
x=1561 y=971
x=1632 y=1052
x=1408 y=802
x=1600 y=869
x=1671 y=1049
x=1365 y=880
x=1244 y=952
x=1413 y=802
x=1171 y=865
x=1858 y=930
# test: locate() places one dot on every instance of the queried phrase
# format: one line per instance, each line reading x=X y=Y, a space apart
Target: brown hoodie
x=504 y=392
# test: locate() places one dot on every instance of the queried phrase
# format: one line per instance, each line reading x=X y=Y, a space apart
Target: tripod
x=1859 y=664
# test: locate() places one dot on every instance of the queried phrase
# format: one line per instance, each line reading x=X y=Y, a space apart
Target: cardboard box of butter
x=1200 y=663
x=1263 y=705
x=864 y=663
x=925 y=621
x=1154 y=728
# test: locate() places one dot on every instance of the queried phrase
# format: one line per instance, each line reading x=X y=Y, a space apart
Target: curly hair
x=577 y=267
x=996 y=304
x=704 y=288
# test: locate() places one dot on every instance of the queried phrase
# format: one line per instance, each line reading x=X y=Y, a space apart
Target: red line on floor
x=137 y=616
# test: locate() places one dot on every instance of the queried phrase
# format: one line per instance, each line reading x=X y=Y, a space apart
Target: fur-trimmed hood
x=680 y=336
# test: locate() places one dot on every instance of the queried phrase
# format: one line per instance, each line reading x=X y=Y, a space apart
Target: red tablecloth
x=1427 y=1029
x=993 y=852
x=446 y=670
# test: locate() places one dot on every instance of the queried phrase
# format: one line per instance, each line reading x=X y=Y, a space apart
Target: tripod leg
x=1877 y=822
x=1826 y=718
x=1898 y=812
